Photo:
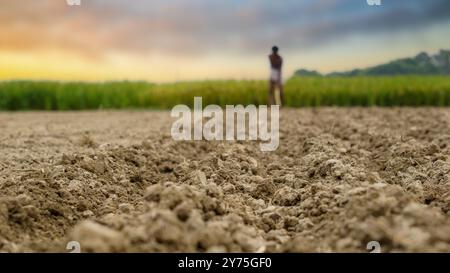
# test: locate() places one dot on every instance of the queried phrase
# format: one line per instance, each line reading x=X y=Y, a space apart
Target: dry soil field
x=116 y=181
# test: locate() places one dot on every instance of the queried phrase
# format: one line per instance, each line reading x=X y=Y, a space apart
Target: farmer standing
x=276 y=63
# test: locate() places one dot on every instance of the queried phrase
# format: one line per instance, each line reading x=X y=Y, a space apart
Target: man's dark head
x=275 y=49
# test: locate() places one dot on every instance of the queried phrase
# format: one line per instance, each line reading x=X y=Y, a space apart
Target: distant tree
x=305 y=72
x=422 y=64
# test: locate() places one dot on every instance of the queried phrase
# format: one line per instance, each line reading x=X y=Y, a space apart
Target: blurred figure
x=276 y=63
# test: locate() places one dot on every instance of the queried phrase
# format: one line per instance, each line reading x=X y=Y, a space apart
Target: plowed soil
x=117 y=182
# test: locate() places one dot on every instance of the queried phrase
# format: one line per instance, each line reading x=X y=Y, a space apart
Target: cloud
x=391 y=18
x=194 y=27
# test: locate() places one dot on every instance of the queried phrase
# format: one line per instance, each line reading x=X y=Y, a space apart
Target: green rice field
x=299 y=92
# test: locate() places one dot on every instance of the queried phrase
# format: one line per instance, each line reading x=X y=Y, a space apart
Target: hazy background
x=171 y=40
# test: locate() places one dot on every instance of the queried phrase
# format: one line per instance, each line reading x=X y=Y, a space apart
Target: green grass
x=300 y=92
x=369 y=91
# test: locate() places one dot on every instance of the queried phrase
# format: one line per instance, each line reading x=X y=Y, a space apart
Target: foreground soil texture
x=117 y=182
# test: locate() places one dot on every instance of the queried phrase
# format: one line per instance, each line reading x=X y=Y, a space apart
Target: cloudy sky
x=169 y=40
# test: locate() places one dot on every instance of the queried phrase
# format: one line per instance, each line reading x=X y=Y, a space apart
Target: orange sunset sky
x=172 y=40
